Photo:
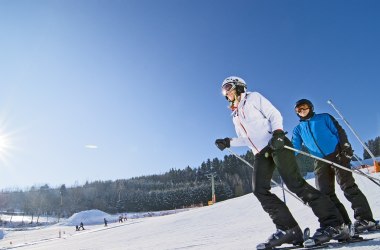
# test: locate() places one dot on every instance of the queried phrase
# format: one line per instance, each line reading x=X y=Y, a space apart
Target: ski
x=306 y=235
x=327 y=245
x=372 y=230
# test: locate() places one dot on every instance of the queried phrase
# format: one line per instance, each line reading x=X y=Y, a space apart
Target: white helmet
x=233 y=82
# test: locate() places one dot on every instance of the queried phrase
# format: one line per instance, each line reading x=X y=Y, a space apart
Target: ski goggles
x=227 y=87
x=301 y=108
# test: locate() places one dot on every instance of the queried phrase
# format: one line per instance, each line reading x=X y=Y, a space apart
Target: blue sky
x=141 y=79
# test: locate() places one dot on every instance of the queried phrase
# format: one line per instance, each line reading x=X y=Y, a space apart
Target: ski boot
x=364 y=225
x=291 y=236
x=352 y=231
x=353 y=235
x=323 y=235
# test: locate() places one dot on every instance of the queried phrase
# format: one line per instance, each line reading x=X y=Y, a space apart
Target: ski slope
x=238 y=223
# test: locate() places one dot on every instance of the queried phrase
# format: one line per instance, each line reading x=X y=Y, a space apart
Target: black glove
x=278 y=140
x=223 y=143
x=347 y=150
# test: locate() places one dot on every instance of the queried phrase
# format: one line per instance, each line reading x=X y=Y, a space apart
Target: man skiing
x=322 y=135
x=258 y=122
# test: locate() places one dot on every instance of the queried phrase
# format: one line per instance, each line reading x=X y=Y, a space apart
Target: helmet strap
x=234 y=103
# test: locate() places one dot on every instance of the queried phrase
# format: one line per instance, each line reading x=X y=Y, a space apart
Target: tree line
x=373 y=146
x=176 y=188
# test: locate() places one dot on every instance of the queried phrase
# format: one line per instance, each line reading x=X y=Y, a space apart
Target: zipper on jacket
x=237 y=111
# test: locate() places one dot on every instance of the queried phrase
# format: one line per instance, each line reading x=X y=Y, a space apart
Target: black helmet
x=305 y=101
x=309 y=104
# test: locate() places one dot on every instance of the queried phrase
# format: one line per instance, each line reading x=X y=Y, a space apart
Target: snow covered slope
x=238 y=223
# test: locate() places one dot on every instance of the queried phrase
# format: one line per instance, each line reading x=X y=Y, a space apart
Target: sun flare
x=6 y=146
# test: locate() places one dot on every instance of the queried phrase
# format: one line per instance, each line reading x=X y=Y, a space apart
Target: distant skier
x=322 y=135
x=258 y=122
x=105 y=222
x=81 y=226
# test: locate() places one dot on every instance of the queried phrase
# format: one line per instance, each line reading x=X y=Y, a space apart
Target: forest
x=177 y=188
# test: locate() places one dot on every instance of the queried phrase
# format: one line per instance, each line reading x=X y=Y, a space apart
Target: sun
x=5 y=146
x=3 y=143
x=8 y=138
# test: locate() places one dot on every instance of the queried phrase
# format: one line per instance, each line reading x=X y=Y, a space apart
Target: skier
x=258 y=122
x=322 y=135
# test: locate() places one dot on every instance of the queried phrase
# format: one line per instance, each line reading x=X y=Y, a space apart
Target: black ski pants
x=285 y=161
x=325 y=182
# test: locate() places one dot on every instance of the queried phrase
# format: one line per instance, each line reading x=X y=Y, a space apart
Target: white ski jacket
x=254 y=119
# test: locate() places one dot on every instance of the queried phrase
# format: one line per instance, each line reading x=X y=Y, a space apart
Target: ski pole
x=353 y=131
x=278 y=185
x=283 y=191
x=361 y=163
x=362 y=173
x=332 y=163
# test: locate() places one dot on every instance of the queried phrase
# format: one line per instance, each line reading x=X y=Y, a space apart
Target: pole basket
x=376 y=166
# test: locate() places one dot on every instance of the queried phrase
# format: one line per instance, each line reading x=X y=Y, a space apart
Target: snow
x=238 y=223
x=91 y=217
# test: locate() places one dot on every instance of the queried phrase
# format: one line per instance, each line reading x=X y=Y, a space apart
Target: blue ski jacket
x=320 y=134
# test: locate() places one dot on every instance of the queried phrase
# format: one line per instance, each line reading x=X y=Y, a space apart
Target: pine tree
x=374 y=147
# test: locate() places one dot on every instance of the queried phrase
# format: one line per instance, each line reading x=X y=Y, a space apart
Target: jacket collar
x=306 y=118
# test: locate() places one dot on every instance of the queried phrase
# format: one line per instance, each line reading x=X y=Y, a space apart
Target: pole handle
x=332 y=163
